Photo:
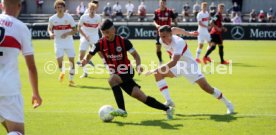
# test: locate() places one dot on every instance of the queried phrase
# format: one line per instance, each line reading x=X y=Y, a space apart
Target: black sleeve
x=95 y=49
x=128 y=45
x=173 y=15
x=155 y=17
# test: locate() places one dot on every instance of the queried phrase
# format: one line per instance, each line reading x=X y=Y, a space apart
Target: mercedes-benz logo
x=123 y=31
x=237 y=32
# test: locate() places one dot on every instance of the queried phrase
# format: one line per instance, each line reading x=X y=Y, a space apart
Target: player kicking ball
x=61 y=28
x=182 y=58
x=114 y=49
x=88 y=28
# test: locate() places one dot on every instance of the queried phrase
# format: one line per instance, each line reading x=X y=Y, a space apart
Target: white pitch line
x=154 y=113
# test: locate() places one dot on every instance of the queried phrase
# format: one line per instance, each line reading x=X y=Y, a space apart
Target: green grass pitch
x=74 y=111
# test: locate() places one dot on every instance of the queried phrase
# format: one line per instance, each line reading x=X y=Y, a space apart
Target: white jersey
x=61 y=26
x=186 y=66
x=204 y=18
x=90 y=26
x=178 y=46
x=14 y=37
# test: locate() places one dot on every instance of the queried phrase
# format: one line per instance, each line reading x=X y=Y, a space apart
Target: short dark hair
x=95 y=1
x=106 y=24
x=165 y=28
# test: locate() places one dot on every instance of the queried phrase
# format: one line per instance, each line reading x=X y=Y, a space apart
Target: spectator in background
x=129 y=8
x=227 y=18
x=237 y=19
x=24 y=6
x=196 y=9
x=142 y=12
x=1 y=6
x=80 y=9
x=39 y=5
x=270 y=16
x=117 y=11
x=212 y=9
x=186 y=12
x=239 y=3
x=235 y=10
x=253 y=16
x=107 y=11
x=262 y=17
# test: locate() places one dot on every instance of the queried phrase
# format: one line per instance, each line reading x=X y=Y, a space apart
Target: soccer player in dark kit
x=114 y=49
x=216 y=36
x=162 y=16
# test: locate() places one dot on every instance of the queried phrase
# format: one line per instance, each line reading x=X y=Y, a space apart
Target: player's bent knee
x=114 y=80
x=14 y=133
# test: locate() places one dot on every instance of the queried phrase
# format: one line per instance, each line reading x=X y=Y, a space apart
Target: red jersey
x=217 y=19
x=114 y=53
x=164 y=17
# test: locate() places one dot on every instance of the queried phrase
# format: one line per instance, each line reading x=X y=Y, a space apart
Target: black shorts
x=157 y=40
x=216 y=38
x=128 y=82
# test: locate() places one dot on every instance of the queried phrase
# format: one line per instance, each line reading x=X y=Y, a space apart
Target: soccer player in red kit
x=114 y=49
x=216 y=36
x=162 y=16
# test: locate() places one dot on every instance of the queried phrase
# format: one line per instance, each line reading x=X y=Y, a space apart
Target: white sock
x=217 y=94
x=162 y=85
x=71 y=74
x=198 y=51
x=84 y=69
x=14 y=133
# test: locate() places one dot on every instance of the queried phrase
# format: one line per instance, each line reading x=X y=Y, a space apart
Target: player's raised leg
x=202 y=82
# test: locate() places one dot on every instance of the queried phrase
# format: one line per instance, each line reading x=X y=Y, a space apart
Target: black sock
x=119 y=97
x=221 y=53
x=159 y=55
x=210 y=50
x=152 y=102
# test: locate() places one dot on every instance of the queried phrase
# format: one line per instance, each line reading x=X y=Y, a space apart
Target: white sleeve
x=81 y=21
x=199 y=17
x=72 y=21
x=26 y=41
x=178 y=47
x=50 y=24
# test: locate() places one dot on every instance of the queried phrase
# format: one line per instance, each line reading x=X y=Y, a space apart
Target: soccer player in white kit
x=61 y=28
x=88 y=28
x=182 y=63
x=203 y=21
x=12 y=42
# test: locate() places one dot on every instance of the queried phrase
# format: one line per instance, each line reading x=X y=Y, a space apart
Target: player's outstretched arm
x=36 y=99
x=176 y=30
x=137 y=58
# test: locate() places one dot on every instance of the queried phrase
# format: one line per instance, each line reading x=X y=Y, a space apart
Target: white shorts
x=205 y=36
x=69 y=51
x=188 y=68
x=84 y=44
x=11 y=108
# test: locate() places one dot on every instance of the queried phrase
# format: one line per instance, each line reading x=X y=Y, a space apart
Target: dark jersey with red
x=217 y=19
x=114 y=53
x=164 y=17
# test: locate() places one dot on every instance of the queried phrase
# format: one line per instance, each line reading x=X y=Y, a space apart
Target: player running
x=88 y=28
x=61 y=28
x=162 y=16
x=203 y=21
x=216 y=36
x=15 y=37
x=182 y=64
x=114 y=49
